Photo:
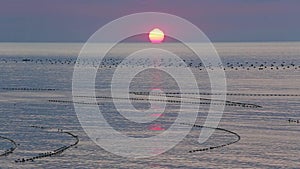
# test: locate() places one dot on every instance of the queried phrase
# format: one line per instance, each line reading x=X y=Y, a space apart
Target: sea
x=42 y=126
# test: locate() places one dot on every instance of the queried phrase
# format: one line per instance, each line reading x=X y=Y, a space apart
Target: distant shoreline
x=223 y=48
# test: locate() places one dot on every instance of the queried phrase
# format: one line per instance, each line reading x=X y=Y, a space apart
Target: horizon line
x=150 y=42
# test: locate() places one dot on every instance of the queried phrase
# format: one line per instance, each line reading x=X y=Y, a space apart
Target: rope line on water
x=11 y=149
x=27 y=89
x=236 y=104
x=228 y=94
x=206 y=99
x=54 y=152
x=238 y=138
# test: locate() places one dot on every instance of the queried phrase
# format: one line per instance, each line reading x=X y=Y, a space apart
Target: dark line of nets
x=237 y=104
x=11 y=149
x=238 y=138
x=51 y=153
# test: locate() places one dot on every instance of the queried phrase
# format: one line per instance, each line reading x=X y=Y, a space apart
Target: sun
x=156 y=36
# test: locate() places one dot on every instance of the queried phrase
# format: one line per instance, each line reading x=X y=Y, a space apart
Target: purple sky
x=221 y=20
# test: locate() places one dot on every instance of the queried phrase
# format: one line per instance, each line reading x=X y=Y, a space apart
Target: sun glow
x=156 y=36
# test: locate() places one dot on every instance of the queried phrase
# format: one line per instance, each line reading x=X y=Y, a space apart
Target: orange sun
x=156 y=36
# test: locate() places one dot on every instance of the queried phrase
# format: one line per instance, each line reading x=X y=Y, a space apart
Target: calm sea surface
x=259 y=129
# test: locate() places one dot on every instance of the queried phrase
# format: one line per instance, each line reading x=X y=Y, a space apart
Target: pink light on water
x=156 y=127
x=157 y=115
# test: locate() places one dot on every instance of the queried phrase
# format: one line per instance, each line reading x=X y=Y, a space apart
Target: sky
x=220 y=20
